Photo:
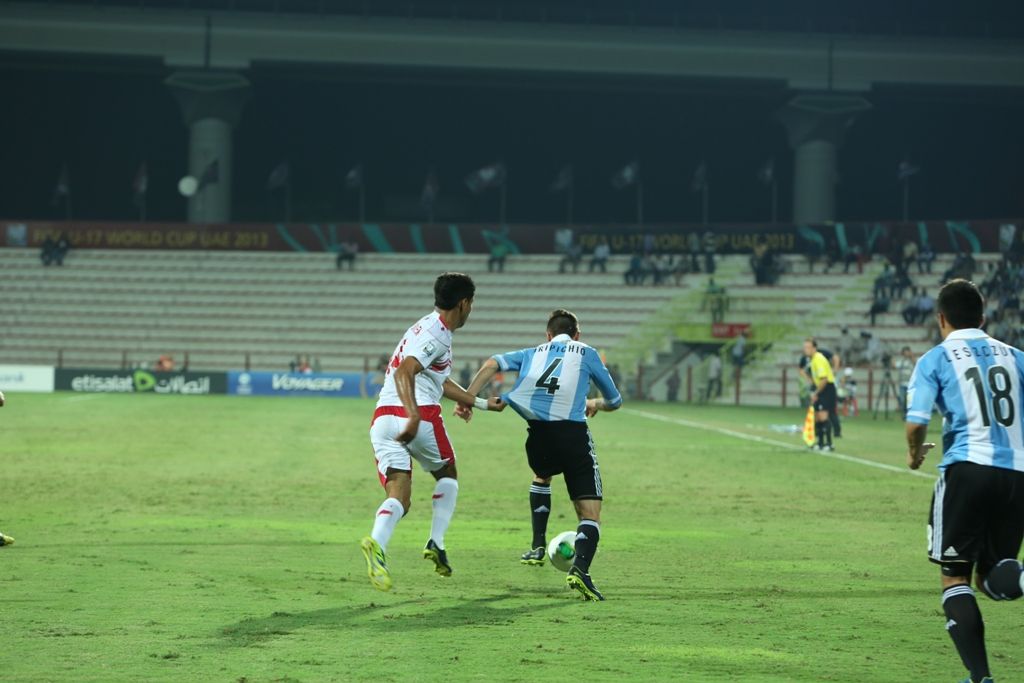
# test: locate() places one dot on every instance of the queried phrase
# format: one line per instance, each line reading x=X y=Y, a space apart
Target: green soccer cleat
x=439 y=557
x=580 y=582
x=6 y=540
x=376 y=564
x=535 y=557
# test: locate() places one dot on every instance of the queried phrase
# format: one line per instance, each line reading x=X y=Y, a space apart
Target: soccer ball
x=561 y=550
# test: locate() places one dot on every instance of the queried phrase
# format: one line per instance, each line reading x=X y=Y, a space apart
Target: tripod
x=886 y=389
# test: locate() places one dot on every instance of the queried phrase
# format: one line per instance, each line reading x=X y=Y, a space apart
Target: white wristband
x=480 y=403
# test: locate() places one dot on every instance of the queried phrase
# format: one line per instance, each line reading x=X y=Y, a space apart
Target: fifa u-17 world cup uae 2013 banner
x=871 y=237
x=338 y=384
x=91 y=380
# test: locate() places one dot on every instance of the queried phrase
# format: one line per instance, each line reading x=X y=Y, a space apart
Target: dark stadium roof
x=1000 y=19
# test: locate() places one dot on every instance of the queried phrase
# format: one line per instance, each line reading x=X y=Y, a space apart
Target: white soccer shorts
x=431 y=446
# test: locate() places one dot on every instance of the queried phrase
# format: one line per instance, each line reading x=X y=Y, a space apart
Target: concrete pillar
x=816 y=124
x=211 y=103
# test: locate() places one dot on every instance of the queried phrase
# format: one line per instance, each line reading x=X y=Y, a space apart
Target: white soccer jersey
x=430 y=342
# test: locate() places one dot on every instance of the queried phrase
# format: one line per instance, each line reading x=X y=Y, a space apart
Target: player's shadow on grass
x=472 y=613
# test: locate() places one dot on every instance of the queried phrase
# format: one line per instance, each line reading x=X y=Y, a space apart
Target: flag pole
x=568 y=209
x=906 y=199
x=639 y=202
x=501 y=206
x=775 y=201
x=288 y=200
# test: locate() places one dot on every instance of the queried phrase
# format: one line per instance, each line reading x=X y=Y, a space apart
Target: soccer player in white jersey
x=551 y=395
x=407 y=425
x=977 y=512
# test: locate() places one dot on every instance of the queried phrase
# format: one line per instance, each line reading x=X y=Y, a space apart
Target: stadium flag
x=700 y=178
x=429 y=194
x=279 y=177
x=626 y=176
x=62 y=190
x=491 y=175
x=563 y=181
x=63 y=187
x=766 y=174
x=906 y=169
x=211 y=174
x=809 y=436
x=140 y=186
x=354 y=178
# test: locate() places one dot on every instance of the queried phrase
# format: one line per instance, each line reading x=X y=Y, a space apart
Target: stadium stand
x=110 y=308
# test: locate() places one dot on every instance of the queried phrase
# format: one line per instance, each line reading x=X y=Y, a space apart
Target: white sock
x=388 y=514
x=445 y=494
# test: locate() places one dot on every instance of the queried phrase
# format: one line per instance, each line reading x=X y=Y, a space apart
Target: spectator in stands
x=317 y=367
x=662 y=268
x=672 y=385
x=680 y=266
x=46 y=255
x=347 y=252
x=832 y=255
x=963 y=267
x=715 y=300
x=845 y=346
x=165 y=363
x=55 y=251
x=302 y=365
x=910 y=312
x=573 y=256
x=884 y=282
x=710 y=247
x=634 y=274
x=600 y=258
x=814 y=251
x=499 y=251
x=876 y=350
x=854 y=254
x=925 y=306
x=714 y=388
x=909 y=253
x=992 y=279
x=693 y=249
x=879 y=305
x=925 y=258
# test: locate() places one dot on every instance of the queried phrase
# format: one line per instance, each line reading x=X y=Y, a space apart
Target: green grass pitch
x=165 y=538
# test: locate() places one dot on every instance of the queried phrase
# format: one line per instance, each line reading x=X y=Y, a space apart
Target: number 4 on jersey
x=548 y=382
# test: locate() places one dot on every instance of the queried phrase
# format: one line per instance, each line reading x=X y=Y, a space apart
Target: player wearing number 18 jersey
x=551 y=395
x=977 y=512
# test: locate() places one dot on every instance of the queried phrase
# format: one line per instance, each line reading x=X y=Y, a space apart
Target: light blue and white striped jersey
x=554 y=379
x=978 y=384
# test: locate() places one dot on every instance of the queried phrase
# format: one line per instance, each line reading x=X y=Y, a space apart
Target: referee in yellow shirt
x=824 y=395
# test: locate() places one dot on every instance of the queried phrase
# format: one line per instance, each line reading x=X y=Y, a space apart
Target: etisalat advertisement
x=139 y=381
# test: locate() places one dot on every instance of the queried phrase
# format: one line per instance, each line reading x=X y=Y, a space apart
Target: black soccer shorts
x=826 y=399
x=565 y=447
x=977 y=517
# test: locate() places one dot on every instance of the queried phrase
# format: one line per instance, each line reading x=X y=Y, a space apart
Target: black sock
x=540 y=508
x=819 y=430
x=827 y=428
x=588 y=533
x=967 y=629
x=836 y=428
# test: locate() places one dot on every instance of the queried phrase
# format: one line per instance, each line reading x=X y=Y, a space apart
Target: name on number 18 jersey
x=977 y=383
x=554 y=379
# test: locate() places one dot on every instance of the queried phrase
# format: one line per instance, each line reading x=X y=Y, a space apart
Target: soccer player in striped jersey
x=977 y=512
x=551 y=395
x=407 y=425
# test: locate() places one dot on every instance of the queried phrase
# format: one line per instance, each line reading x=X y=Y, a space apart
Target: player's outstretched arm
x=467 y=400
x=917 y=448
x=596 y=405
x=483 y=376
